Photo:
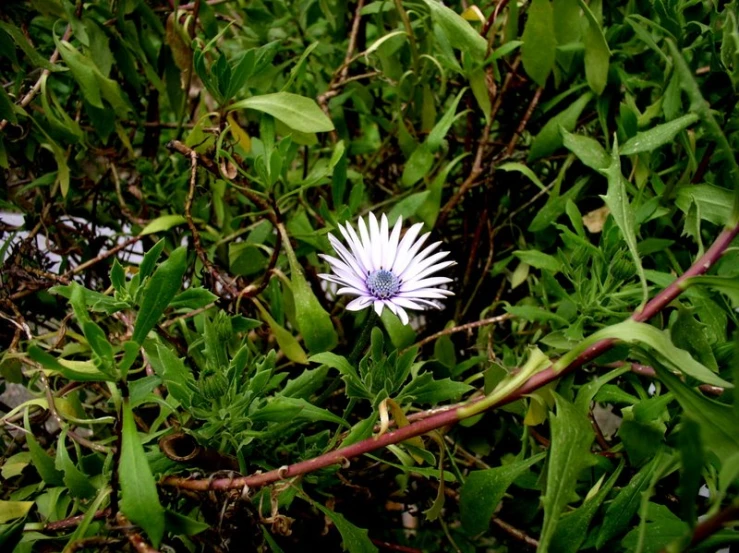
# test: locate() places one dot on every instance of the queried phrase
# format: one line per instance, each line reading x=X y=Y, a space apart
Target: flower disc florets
x=383 y=270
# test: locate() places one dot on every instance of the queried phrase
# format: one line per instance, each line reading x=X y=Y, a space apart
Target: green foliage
x=171 y=173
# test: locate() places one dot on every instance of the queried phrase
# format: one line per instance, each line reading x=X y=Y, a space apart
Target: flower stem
x=363 y=338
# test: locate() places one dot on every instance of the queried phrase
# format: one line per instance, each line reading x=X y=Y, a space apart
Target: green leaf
x=11 y=510
x=597 y=53
x=335 y=362
x=713 y=202
x=569 y=455
x=717 y=421
x=660 y=135
x=354 y=539
x=692 y=458
x=23 y=43
x=180 y=524
x=78 y=483
x=587 y=150
x=297 y=112
x=287 y=342
x=621 y=211
x=700 y=106
x=159 y=292
x=549 y=138
x=313 y=320
x=484 y=489
x=72 y=370
x=424 y=389
x=93 y=83
x=306 y=384
x=573 y=526
x=42 y=461
x=631 y=331
x=177 y=378
x=139 y=497
x=540 y=260
x=288 y=408
x=160 y=224
x=422 y=158
x=539 y=43
x=193 y=298
x=460 y=33
x=624 y=506
x=663 y=528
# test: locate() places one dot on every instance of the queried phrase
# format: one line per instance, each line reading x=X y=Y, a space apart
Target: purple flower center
x=383 y=284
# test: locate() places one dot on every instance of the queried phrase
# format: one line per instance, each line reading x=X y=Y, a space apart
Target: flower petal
x=367 y=244
x=379 y=304
x=359 y=303
x=376 y=241
x=401 y=257
x=424 y=283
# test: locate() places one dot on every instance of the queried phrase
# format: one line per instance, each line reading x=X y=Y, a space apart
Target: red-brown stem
x=713 y=524
x=701 y=266
x=452 y=416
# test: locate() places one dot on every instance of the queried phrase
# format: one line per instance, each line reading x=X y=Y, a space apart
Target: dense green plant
x=178 y=375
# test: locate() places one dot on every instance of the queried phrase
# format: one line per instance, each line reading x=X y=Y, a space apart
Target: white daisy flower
x=383 y=270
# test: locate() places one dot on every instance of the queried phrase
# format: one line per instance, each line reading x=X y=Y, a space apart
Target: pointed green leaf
x=295 y=111
x=139 y=497
x=484 y=489
x=569 y=454
x=160 y=290
x=539 y=43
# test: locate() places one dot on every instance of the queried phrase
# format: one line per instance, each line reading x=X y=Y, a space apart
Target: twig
x=31 y=94
x=524 y=121
x=646 y=370
x=511 y=530
x=340 y=76
x=82 y=266
x=452 y=416
x=73 y=522
x=136 y=540
x=215 y=273
x=477 y=166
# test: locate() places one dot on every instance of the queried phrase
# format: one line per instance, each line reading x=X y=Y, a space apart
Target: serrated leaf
x=354 y=539
x=424 y=389
x=717 y=421
x=78 y=483
x=569 y=454
x=177 y=378
x=139 y=498
x=484 y=489
x=631 y=331
x=623 y=508
x=313 y=320
x=617 y=201
x=573 y=526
